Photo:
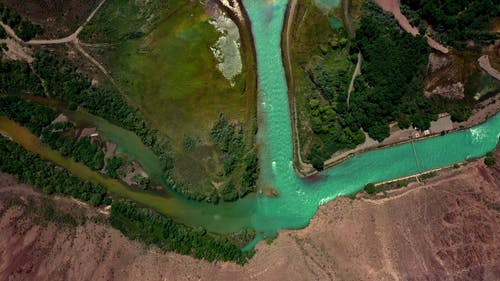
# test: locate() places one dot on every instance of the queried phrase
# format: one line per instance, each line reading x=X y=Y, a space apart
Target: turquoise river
x=299 y=198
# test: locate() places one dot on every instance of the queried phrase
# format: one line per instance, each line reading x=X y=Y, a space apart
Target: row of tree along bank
x=136 y=223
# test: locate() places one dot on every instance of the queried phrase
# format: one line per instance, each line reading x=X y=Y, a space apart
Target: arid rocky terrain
x=445 y=229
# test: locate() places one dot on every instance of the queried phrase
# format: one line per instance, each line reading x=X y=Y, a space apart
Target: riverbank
x=300 y=167
x=483 y=111
x=362 y=239
x=172 y=205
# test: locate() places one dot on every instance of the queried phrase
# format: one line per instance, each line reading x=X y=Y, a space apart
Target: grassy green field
x=159 y=53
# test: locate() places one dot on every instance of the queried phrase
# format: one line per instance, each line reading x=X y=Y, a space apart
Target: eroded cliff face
x=446 y=229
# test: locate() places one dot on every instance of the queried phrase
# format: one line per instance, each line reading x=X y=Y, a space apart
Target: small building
x=87 y=132
x=60 y=119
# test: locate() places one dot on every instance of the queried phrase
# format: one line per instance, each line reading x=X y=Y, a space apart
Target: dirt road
x=393 y=7
x=356 y=73
x=484 y=63
x=73 y=38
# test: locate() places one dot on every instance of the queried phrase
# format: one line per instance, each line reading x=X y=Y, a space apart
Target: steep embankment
x=444 y=230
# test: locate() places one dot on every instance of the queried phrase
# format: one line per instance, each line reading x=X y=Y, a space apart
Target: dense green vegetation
x=3 y=34
x=490 y=159
x=322 y=73
x=61 y=137
x=113 y=165
x=151 y=228
x=23 y=27
x=370 y=189
x=239 y=164
x=33 y=116
x=390 y=88
x=229 y=138
x=457 y=21
x=29 y=168
x=17 y=76
x=230 y=141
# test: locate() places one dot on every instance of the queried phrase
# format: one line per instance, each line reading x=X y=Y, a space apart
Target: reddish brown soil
x=59 y=18
x=446 y=229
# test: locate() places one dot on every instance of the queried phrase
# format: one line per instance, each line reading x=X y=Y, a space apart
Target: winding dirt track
x=484 y=63
x=73 y=38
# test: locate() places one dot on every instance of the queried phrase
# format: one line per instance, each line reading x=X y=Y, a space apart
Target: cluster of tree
x=330 y=82
x=31 y=115
x=142 y=182
x=251 y=172
x=334 y=134
x=189 y=143
x=240 y=165
x=23 y=27
x=17 y=76
x=37 y=119
x=62 y=81
x=113 y=166
x=31 y=169
x=153 y=229
x=60 y=137
x=389 y=89
x=230 y=141
x=458 y=20
x=236 y=157
x=490 y=159
x=3 y=34
x=393 y=70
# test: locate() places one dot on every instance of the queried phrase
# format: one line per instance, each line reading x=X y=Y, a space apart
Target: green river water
x=298 y=198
